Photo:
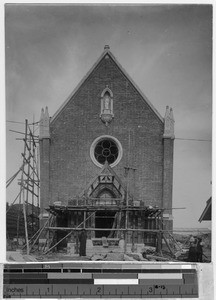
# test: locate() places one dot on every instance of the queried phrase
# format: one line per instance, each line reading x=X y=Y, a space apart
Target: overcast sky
x=167 y=50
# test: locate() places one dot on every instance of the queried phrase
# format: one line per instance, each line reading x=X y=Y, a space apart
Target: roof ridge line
x=136 y=87
x=105 y=52
x=79 y=85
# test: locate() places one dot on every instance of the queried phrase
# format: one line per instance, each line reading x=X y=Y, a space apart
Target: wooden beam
x=106 y=229
x=67 y=235
x=95 y=208
x=168 y=246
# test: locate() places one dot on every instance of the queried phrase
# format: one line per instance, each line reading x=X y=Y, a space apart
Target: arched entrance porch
x=104 y=219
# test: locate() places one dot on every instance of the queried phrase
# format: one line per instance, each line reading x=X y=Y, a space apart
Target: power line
x=197 y=140
x=176 y=138
x=17 y=122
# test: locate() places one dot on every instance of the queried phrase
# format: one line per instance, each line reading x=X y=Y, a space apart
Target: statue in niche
x=106 y=101
x=106 y=106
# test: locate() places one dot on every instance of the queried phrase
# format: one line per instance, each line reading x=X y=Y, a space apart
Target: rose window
x=106 y=149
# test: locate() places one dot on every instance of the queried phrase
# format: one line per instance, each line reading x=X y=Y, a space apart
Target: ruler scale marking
x=85 y=280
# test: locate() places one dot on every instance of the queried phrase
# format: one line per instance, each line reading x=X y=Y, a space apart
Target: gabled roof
x=206 y=215
x=107 y=52
x=105 y=170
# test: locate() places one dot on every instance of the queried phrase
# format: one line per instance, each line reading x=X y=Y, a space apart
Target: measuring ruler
x=100 y=280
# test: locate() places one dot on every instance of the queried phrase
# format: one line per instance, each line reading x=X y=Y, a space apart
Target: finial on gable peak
x=169 y=123
x=42 y=114
x=171 y=114
x=167 y=112
x=46 y=114
x=106 y=47
x=44 y=124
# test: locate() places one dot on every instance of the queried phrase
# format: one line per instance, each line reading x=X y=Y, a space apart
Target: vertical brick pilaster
x=44 y=178
x=168 y=179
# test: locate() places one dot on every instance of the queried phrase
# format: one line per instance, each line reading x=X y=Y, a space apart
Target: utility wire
x=197 y=140
x=17 y=122
x=176 y=138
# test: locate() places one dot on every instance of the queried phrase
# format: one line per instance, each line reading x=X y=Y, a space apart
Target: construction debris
x=128 y=258
x=97 y=257
x=136 y=256
x=157 y=258
x=18 y=256
x=114 y=257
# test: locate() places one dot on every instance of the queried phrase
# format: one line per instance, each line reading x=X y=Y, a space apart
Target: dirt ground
x=179 y=247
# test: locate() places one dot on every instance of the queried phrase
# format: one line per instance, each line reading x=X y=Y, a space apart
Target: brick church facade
x=106 y=147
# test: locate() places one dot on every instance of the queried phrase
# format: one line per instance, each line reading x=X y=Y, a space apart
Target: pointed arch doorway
x=106 y=192
x=104 y=219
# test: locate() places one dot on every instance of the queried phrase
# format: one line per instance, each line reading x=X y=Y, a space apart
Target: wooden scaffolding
x=27 y=212
x=144 y=223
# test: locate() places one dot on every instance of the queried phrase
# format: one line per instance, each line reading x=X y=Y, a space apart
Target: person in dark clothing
x=199 y=250
x=192 y=255
x=82 y=241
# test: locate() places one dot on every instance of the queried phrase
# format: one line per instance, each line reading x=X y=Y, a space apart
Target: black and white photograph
x=108 y=132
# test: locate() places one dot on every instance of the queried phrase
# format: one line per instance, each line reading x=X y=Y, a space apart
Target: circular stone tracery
x=104 y=149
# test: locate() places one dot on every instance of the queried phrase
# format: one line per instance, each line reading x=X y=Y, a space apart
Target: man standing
x=82 y=241
x=192 y=254
x=199 y=250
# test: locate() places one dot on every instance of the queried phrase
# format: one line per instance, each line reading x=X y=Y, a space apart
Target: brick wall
x=78 y=125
